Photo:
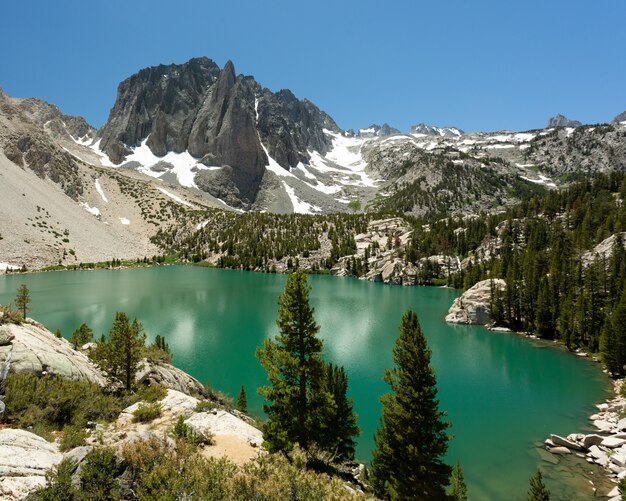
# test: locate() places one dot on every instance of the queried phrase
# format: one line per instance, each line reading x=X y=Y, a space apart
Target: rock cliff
x=472 y=307
x=220 y=118
x=562 y=121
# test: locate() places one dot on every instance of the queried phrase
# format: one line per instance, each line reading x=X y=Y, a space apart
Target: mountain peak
x=618 y=119
x=376 y=130
x=431 y=130
x=562 y=121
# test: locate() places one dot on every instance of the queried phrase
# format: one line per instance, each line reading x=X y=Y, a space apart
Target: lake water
x=503 y=394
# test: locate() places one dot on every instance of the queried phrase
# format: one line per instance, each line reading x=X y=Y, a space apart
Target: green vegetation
x=158 y=351
x=147 y=412
x=260 y=241
x=411 y=441
x=184 y=432
x=22 y=300
x=301 y=406
x=458 y=489
x=119 y=356
x=538 y=490
x=81 y=336
x=9 y=315
x=242 y=401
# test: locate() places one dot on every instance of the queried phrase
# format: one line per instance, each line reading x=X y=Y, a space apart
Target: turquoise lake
x=503 y=393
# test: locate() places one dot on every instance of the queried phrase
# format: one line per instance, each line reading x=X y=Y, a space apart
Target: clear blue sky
x=475 y=64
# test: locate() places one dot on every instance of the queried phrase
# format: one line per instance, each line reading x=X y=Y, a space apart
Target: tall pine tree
x=411 y=440
x=341 y=422
x=297 y=398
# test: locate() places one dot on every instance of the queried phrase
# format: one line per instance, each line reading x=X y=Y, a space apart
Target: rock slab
x=24 y=459
x=472 y=307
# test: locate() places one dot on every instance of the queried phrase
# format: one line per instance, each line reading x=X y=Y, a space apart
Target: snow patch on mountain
x=174 y=197
x=184 y=166
x=92 y=210
x=546 y=181
x=299 y=206
x=101 y=191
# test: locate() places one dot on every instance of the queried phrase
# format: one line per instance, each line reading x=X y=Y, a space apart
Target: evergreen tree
x=81 y=336
x=242 y=401
x=458 y=489
x=297 y=399
x=341 y=423
x=411 y=440
x=120 y=355
x=538 y=490
x=22 y=300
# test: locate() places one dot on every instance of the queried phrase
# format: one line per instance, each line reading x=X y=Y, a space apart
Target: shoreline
x=604 y=447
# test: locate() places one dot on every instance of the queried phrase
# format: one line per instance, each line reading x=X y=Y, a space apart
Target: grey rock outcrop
x=35 y=349
x=604 y=249
x=169 y=376
x=620 y=118
x=218 y=117
x=375 y=130
x=221 y=422
x=562 y=121
x=430 y=130
x=472 y=307
x=24 y=460
x=27 y=141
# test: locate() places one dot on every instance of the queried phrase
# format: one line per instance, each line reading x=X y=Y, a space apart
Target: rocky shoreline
x=606 y=448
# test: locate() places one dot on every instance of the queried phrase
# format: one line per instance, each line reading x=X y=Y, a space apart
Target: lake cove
x=504 y=394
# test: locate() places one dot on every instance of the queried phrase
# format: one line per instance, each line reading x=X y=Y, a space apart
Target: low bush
x=146 y=413
x=152 y=393
x=73 y=436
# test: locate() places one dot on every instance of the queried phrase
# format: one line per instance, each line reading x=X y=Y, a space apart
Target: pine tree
x=120 y=355
x=297 y=399
x=341 y=423
x=81 y=336
x=22 y=300
x=610 y=349
x=242 y=401
x=458 y=489
x=538 y=490
x=411 y=440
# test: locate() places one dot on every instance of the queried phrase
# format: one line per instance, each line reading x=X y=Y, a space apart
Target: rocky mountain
x=375 y=130
x=184 y=139
x=429 y=130
x=562 y=121
x=620 y=118
x=229 y=123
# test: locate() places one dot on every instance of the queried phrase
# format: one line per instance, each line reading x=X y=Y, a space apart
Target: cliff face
x=222 y=119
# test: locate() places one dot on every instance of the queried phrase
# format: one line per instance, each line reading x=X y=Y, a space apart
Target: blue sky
x=478 y=65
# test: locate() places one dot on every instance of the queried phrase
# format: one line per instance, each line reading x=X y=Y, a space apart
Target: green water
x=502 y=393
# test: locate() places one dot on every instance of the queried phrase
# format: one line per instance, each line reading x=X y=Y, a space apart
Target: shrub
x=146 y=412
x=152 y=393
x=58 y=483
x=73 y=436
x=9 y=315
x=53 y=402
x=184 y=432
x=206 y=405
x=98 y=476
